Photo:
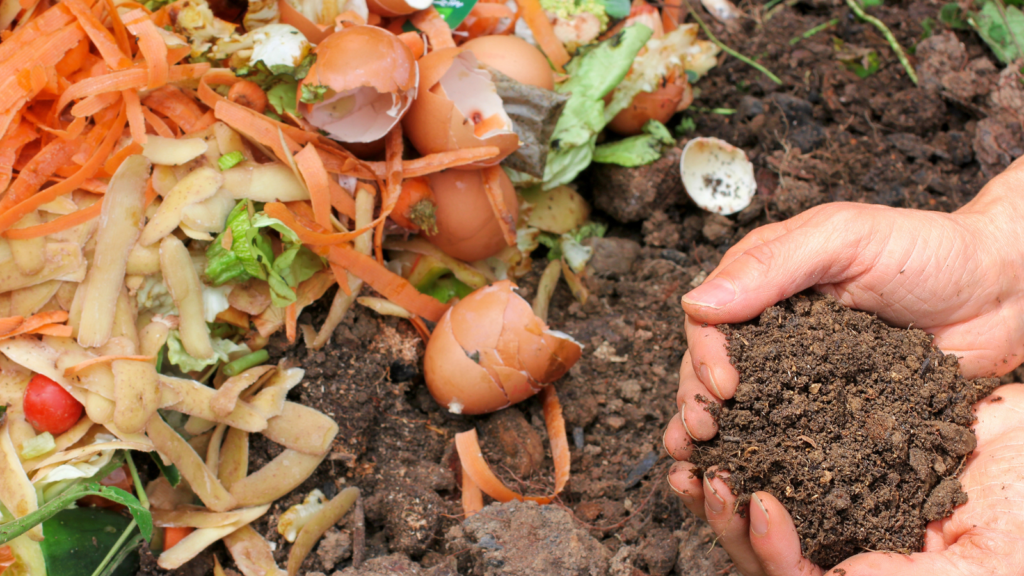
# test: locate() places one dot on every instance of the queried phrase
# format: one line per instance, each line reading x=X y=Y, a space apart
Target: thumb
x=821 y=251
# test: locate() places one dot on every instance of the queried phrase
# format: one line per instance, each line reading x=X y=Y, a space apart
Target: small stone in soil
x=857 y=428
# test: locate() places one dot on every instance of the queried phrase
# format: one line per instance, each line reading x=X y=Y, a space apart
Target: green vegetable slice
x=78 y=539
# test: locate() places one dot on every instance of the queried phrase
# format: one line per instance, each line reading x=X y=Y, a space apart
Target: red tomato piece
x=49 y=407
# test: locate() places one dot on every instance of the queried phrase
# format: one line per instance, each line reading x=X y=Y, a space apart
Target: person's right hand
x=958 y=276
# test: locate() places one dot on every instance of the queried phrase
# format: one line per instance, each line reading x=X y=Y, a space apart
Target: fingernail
x=706 y=377
x=676 y=469
x=714 y=294
x=682 y=411
x=664 y=445
x=715 y=502
x=758 y=517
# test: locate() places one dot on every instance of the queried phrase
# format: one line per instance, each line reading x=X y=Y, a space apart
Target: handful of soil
x=858 y=428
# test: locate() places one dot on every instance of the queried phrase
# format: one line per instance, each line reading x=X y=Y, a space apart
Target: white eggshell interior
x=360 y=115
x=717 y=175
x=472 y=91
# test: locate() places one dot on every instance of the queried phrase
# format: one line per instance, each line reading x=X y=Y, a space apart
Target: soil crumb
x=858 y=428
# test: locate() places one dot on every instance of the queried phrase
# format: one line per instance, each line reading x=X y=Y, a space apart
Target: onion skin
x=659 y=105
x=467 y=228
x=515 y=58
x=490 y=351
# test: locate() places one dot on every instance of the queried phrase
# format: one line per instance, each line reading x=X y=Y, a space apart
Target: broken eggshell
x=467 y=228
x=458 y=107
x=490 y=351
x=371 y=78
x=515 y=58
x=717 y=176
x=392 y=8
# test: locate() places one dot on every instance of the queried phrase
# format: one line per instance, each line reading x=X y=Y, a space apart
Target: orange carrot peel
x=473 y=464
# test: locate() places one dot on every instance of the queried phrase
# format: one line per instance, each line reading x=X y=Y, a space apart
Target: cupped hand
x=957 y=276
x=984 y=537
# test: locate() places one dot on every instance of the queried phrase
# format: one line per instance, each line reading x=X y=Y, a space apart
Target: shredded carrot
x=340 y=200
x=473 y=464
x=74 y=60
x=317 y=181
x=151 y=44
x=57 y=224
x=136 y=120
x=394 y=147
x=59 y=330
x=94 y=104
x=42 y=25
x=114 y=162
x=175 y=105
x=472 y=497
x=313 y=32
x=291 y=321
x=10 y=323
x=175 y=534
x=544 y=33
x=54 y=155
x=390 y=285
x=110 y=136
x=131 y=79
x=433 y=163
x=421 y=327
x=433 y=25
x=120 y=32
x=159 y=126
x=72 y=370
x=492 y=187
x=10 y=146
x=101 y=38
x=309 y=236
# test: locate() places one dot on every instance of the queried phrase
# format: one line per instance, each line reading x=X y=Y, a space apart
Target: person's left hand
x=984 y=537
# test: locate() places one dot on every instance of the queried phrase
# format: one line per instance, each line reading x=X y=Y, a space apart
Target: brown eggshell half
x=498 y=328
x=466 y=226
x=442 y=120
x=456 y=381
x=515 y=58
x=392 y=8
x=372 y=77
x=659 y=105
x=525 y=340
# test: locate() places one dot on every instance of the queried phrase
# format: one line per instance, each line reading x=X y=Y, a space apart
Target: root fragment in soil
x=858 y=428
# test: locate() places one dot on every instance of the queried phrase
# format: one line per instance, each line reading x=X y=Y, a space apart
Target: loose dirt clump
x=858 y=428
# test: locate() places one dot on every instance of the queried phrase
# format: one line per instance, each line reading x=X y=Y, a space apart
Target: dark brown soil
x=824 y=135
x=858 y=428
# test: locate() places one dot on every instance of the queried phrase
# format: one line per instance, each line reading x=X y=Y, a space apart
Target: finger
x=775 y=270
x=686 y=483
x=731 y=527
x=693 y=400
x=774 y=539
x=677 y=440
x=757 y=236
x=709 y=354
x=998 y=356
x=998 y=414
x=919 y=564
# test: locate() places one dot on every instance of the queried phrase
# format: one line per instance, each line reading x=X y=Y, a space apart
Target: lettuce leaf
x=177 y=355
x=593 y=73
x=251 y=255
x=636 y=150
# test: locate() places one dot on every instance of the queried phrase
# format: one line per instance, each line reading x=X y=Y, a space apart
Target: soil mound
x=858 y=428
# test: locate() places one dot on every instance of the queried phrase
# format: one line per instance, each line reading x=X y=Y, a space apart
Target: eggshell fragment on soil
x=717 y=176
x=467 y=227
x=490 y=351
x=458 y=107
x=371 y=78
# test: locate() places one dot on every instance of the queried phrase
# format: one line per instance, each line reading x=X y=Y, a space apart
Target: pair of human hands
x=957 y=276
